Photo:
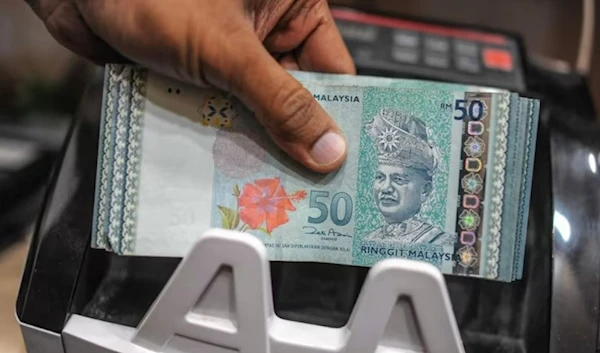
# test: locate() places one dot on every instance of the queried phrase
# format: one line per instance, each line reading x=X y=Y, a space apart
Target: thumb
x=218 y=46
x=293 y=118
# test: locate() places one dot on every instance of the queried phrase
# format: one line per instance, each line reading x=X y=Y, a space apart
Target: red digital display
x=497 y=59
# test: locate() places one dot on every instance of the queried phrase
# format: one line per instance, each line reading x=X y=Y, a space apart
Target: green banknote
x=435 y=172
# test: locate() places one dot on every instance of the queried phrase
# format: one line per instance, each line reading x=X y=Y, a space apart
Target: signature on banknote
x=329 y=233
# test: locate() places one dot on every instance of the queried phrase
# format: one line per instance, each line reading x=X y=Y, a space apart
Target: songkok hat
x=401 y=140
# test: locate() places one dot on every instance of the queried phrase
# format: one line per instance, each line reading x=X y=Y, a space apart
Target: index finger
x=324 y=49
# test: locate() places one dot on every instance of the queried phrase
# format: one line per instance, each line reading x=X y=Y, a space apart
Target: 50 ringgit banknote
x=435 y=172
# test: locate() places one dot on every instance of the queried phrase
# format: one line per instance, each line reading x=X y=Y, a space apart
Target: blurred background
x=41 y=84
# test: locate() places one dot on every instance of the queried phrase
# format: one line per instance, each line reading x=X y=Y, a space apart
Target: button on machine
x=437 y=60
x=437 y=44
x=404 y=55
x=406 y=39
x=466 y=48
x=498 y=59
x=468 y=64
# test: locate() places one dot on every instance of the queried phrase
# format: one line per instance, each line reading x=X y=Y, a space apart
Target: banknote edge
x=127 y=137
x=134 y=155
x=493 y=255
x=114 y=219
x=513 y=187
x=530 y=158
x=523 y=187
x=106 y=91
x=122 y=90
x=507 y=245
x=117 y=73
x=104 y=156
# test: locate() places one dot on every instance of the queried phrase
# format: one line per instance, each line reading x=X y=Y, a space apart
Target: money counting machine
x=224 y=296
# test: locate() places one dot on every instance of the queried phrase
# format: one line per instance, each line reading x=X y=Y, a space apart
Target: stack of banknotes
x=435 y=172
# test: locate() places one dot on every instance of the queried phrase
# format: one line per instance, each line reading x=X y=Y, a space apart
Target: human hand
x=240 y=46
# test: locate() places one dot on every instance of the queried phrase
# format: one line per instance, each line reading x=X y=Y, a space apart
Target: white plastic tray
x=219 y=301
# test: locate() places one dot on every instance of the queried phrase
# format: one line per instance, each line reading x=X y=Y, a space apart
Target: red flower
x=266 y=200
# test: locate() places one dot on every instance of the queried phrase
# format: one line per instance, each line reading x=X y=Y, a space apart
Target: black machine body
x=554 y=308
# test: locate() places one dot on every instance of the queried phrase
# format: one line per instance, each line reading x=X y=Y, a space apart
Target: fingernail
x=328 y=149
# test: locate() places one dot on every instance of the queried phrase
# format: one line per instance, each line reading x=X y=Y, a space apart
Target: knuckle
x=188 y=51
x=227 y=64
x=212 y=57
x=34 y=4
x=295 y=118
x=58 y=22
x=44 y=8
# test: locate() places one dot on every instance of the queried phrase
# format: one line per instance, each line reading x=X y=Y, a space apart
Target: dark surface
x=23 y=182
x=21 y=195
x=576 y=277
x=62 y=233
x=63 y=275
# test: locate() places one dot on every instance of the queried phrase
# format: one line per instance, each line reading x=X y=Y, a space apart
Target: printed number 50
x=475 y=111
x=335 y=203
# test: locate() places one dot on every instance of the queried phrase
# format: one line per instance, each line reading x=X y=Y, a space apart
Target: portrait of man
x=406 y=163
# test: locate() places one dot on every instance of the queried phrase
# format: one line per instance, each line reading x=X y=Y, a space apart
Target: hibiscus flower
x=266 y=201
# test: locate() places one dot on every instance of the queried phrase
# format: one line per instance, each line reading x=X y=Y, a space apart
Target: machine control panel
x=405 y=48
